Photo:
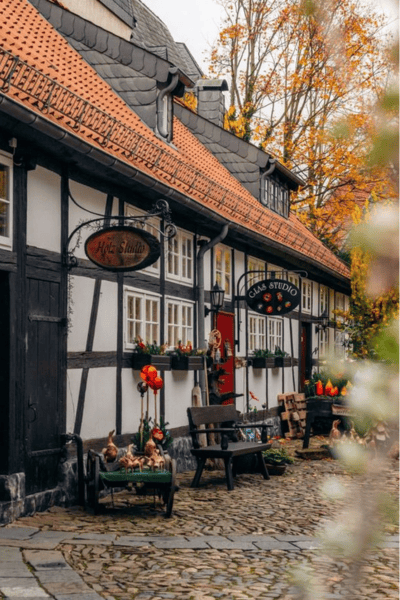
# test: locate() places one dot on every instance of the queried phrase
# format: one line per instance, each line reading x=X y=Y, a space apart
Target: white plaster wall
x=131 y=401
x=73 y=383
x=178 y=396
x=274 y=386
x=90 y=199
x=100 y=403
x=257 y=385
x=240 y=376
x=99 y=410
x=289 y=380
x=44 y=210
x=105 y=338
x=81 y=290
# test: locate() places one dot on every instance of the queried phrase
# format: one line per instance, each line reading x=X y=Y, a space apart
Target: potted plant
x=259 y=358
x=279 y=356
x=150 y=354
x=276 y=460
x=185 y=358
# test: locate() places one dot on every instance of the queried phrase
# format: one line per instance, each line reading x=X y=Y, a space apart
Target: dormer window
x=275 y=195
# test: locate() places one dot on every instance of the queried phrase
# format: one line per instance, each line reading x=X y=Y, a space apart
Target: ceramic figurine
x=110 y=451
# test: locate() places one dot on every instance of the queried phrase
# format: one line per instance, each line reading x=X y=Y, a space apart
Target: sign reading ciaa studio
x=273 y=297
x=122 y=248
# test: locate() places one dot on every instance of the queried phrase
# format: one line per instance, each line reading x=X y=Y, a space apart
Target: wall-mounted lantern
x=217 y=300
x=321 y=322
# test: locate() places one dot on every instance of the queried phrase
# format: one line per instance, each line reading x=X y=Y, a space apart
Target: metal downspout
x=200 y=291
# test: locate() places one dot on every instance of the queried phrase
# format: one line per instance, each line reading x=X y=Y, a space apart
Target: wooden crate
x=294 y=414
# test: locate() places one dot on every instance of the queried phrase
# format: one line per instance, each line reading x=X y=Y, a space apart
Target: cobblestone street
x=217 y=544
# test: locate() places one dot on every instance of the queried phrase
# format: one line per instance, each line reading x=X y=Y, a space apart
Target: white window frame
x=323 y=299
x=340 y=304
x=183 y=329
x=306 y=295
x=152 y=226
x=6 y=240
x=339 y=344
x=323 y=342
x=142 y=322
x=223 y=276
x=257 y=332
x=255 y=264
x=176 y=248
x=274 y=333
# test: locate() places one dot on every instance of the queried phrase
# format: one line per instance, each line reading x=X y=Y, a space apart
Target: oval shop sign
x=273 y=297
x=122 y=248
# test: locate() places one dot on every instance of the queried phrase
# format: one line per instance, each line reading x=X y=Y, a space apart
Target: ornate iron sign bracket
x=160 y=209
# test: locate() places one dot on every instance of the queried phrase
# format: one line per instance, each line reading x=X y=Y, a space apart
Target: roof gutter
x=55 y=132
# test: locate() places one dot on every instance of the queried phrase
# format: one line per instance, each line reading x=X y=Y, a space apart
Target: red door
x=226 y=326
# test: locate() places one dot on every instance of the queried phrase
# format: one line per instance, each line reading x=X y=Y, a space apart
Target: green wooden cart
x=100 y=477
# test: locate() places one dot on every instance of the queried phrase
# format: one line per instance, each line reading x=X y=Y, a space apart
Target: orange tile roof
x=58 y=79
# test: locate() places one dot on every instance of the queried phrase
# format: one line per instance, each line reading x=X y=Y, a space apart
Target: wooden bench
x=226 y=422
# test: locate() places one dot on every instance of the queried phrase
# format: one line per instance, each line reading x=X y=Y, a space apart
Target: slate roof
x=55 y=82
x=150 y=32
x=121 y=8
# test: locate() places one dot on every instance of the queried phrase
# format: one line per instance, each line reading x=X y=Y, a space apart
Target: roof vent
x=210 y=99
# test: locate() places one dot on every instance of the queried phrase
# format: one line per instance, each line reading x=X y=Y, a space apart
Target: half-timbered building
x=91 y=127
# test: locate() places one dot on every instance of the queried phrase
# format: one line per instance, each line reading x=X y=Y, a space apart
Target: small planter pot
x=259 y=362
x=278 y=361
x=159 y=361
x=187 y=363
x=275 y=469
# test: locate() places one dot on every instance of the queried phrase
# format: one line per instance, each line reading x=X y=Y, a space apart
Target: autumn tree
x=303 y=79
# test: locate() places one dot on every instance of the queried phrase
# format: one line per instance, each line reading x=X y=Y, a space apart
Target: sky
x=197 y=22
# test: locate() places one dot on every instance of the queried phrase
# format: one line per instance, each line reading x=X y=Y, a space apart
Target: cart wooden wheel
x=93 y=481
x=169 y=492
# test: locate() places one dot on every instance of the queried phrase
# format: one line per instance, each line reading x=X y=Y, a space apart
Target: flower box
x=187 y=363
x=261 y=362
x=161 y=362
x=279 y=361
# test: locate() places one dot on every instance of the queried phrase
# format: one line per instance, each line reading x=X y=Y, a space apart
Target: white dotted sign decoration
x=273 y=297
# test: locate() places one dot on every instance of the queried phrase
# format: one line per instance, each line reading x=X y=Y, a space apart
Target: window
x=257 y=333
x=306 y=290
x=323 y=341
x=179 y=260
x=340 y=344
x=323 y=299
x=142 y=318
x=5 y=200
x=179 y=322
x=253 y=264
x=275 y=195
x=164 y=115
x=340 y=303
x=150 y=225
x=274 y=334
x=223 y=268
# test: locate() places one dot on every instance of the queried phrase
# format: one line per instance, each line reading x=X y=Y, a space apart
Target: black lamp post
x=217 y=300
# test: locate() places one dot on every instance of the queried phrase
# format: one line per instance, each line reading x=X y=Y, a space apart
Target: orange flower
x=334 y=391
x=328 y=388
x=319 y=388
x=343 y=391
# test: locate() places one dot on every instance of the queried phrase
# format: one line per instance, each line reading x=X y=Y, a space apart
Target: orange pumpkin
x=328 y=388
x=334 y=391
x=319 y=388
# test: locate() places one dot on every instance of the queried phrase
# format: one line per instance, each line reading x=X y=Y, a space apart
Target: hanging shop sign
x=122 y=248
x=273 y=297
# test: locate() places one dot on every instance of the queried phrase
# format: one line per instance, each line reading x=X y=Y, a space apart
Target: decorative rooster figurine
x=335 y=434
x=110 y=451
